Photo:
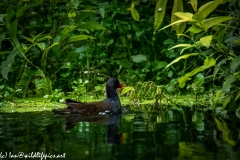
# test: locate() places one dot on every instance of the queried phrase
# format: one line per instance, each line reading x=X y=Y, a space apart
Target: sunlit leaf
x=182 y=57
x=194 y=29
x=126 y=90
x=135 y=14
x=194 y=4
x=159 y=13
x=210 y=22
x=180 y=45
x=79 y=38
x=206 y=9
x=209 y=62
x=206 y=41
x=92 y=25
x=218 y=95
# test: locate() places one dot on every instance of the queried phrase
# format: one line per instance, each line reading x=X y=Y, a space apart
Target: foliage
x=48 y=45
x=211 y=43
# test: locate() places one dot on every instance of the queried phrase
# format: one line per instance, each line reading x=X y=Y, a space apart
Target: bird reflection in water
x=111 y=121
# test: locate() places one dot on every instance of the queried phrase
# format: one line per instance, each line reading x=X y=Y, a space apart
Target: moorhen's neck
x=111 y=91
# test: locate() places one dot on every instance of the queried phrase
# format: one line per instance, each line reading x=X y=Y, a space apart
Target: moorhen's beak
x=120 y=85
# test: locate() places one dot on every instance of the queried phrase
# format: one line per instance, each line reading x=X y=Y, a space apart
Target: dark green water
x=174 y=134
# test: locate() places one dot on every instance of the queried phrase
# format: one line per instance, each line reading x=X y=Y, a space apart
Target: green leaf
x=194 y=4
x=218 y=95
x=210 y=22
x=182 y=57
x=125 y=64
x=139 y=58
x=12 y=23
x=227 y=84
x=66 y=65
x=159 y=13
x=209 y=62
x=135 y=14
x=41 y=45
x=100 y=79
x=79 y=38
x=185 y=16
x=179 y=21
x=235 y=63
x=158 y=65
x=28 y=39
x=126 y=90
x=226 y=101
x=2 y=37
x=169 y=41
x=206 y=41
x=205 y=10
x=44 y=56
x=92 y=25
x=194 y=29
x=180 y=45
x=177 y=7
x=7 y=65
x=21 y=10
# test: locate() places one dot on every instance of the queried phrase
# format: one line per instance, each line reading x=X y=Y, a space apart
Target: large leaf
x=91 y=25
x=227 y=85
x=180 y=27
x=210 y=22
x=6 y=65
x=206 y=41
x=194 y=4
x=44 y=56
x=79 y=38
x=125 y=64
x=159 y=13
x=181 y=57
x=11 y=22
x=195 y=29
x=209 y=62
x=139 y=58
x=134 y=12
x=206 y=9
x=235 y=63
x=158 y=65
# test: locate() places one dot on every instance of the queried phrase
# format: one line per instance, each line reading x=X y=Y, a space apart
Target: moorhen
x=110 y=105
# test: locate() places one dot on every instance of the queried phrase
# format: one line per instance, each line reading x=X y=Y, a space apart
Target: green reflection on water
x=172 y=134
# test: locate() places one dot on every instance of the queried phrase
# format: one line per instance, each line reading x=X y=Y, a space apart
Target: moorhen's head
x=111 y=86
x=113 y=83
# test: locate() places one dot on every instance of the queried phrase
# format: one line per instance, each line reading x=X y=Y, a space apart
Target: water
x=169 y=135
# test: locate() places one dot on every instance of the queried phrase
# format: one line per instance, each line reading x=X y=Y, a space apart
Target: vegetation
x=68 y=48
